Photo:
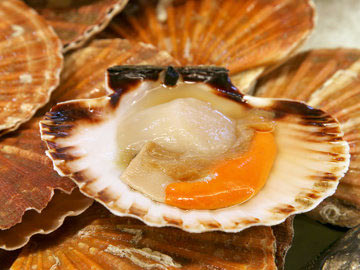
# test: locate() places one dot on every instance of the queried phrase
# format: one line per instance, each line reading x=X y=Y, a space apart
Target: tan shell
x=309 y=143
x=76 y=21
x=244 y=36
x=335 y=89
x=52 y=217
x=22 y=152
x=31 y=62
x=97 y=239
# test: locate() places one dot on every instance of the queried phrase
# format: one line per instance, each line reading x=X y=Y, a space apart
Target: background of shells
x=79 y=76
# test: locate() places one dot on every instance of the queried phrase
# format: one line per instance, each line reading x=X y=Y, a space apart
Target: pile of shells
x=65 y=89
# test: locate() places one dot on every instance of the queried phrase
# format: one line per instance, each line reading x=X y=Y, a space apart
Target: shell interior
x=335 y=89
x=309 y=142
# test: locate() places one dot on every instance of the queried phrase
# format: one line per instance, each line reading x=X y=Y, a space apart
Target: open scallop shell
x=81 y=139
x=52 y=217
x=76 y=21
x=99 y=239
x=22 y=152
x=31 y=62
x=244 y=36
x=334 y=87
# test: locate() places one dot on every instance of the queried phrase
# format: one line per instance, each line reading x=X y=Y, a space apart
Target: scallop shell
x=335 y=89
x=84 y=69
x=240 y=35
x=77 y=21
x=22 y=152
x=309 y=144
x=52 y=217
x=100 y=240
x=284 y=234
x=31 y=62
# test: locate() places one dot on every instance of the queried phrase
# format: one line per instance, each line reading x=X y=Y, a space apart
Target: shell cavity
x=81 y=136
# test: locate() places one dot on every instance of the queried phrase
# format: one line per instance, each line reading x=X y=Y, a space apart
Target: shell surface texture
x=243 y=36
x=31 y=62
x=22 y=152
x=77 y=21
x=82 y=140
x=334 y=89
x=97 y=239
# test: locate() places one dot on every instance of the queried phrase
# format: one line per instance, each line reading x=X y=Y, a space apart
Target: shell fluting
x=334 y=89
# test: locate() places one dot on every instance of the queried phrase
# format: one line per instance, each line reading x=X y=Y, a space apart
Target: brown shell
x=240 y=35
x=31 y=62
x=22 y=158
x=296 y=79
x=51 y=218
x=100 y=240
x=284 y=234
x=76 y=21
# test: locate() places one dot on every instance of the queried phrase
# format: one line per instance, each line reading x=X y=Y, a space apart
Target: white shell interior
x=298 y=181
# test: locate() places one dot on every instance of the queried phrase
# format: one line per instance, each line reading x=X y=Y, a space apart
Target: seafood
x=83 y=140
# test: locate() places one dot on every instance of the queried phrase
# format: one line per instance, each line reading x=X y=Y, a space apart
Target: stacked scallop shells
x=248 y=37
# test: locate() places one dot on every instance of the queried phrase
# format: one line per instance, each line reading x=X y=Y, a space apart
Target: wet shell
x=309 y=144
x=31 y=62
x=335 y=89
x=97 y=239
x=22 y=152
x=76 y=21
x=52 y=217
x=240 y=35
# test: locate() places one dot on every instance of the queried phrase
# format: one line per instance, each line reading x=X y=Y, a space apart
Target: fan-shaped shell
x=52 y=217
x=335 y=89
x=31 y=62
x=99 y=239
x=309 y=142
x=77 y=21
x=240 y=35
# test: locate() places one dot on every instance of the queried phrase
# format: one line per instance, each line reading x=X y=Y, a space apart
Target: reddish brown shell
x=52 y=217
x=335 y=88
x=240 y=35
x=31 y=62
x=22 y=159
x=76 y=21
x=100 y=240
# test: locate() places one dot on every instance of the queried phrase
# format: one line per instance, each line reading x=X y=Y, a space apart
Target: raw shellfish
x=335 y=89
x=81 y=136
x=77 y=21
x=31 y=61
x=244 y=36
